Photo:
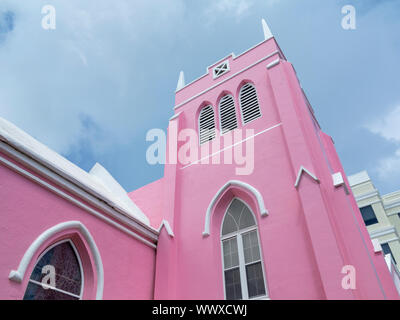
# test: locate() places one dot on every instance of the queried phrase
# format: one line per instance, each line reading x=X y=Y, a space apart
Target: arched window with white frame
x=242 y=260
x=249 y=104
x=227 y=114
x=206 y=124
x=57 y=274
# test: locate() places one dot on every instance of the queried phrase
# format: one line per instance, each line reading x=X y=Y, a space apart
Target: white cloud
x=235 y=8
x=91 y=67
x=388 y=127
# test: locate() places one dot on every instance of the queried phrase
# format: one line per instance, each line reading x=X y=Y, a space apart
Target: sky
x=94 y=86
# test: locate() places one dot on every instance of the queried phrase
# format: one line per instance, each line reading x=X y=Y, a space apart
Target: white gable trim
x=254 y=191
x=18 y=275
x=300 y=173
x=167 y=227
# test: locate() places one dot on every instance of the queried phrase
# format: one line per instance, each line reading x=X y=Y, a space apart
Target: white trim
x=389 y=240
x=377 y=245
x=167 y=227
x=227 y=57
x=338 y=181
x=391 y=205
x=358 y=178
x=116 y=212
x=273 y=63
x=175 y=116
x=25 y=144
x=78 y=203
x=266 y=30
x=231 y=146
x=236 y=183
x=80 y=268
x=233 y=75
x=219 y=65
x=18 y=275
x=300 y=173
x=383 y=232
x=181 y=81
x=368 y=195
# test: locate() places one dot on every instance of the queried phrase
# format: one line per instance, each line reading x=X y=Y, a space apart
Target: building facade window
x=206 y=124
x=242 y=262
x=249 y=105
x=57 y=274
x=368 y=215
x=386 y=249
x=227 y=114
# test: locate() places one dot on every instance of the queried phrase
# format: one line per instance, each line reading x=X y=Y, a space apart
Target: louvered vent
x=249 y=103
x=206 y=124
x=220 y=69
x=227 y=114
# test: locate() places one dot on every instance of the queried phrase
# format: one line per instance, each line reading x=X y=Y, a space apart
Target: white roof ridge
x=25 y=143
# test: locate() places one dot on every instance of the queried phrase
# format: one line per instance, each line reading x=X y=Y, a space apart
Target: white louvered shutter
x=206 y=124
x=227 y=114
x=249 y=103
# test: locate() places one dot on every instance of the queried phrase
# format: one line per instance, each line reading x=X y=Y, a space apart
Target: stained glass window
x=57 y=275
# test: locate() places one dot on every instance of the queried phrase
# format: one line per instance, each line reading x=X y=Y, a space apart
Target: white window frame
x=240 y=104
x=220 y=65
x=80 y=296
x=242 y=263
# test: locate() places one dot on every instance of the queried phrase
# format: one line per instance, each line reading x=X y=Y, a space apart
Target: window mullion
x=242 y=268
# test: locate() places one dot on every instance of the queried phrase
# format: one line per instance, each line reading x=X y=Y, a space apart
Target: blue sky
x=93 y=87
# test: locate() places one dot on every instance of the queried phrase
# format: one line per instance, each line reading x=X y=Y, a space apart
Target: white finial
x=181 y=81
x=267 y=31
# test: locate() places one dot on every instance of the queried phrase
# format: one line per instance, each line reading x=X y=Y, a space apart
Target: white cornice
x=368 y=195
x=383 y=232
x=20 y=141
x=121 y=220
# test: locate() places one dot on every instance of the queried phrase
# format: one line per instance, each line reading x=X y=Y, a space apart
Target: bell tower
x=261 y=208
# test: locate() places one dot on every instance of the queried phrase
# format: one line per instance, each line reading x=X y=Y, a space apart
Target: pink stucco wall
x=311 y=232
x=28 y=209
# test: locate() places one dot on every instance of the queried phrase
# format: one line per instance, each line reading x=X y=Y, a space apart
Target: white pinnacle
x=267 y=31
x=181 y=81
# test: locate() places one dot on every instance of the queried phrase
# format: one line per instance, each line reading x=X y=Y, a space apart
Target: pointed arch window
x=249 y=105
x=227 y=114
x=206 y=124
x=57 y=274
x=242 y=261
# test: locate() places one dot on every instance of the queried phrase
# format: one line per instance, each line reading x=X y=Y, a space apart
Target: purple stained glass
x=67 y=274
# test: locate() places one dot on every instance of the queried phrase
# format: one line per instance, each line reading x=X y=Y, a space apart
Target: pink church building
x=288 y=227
